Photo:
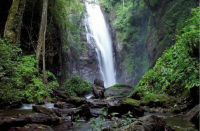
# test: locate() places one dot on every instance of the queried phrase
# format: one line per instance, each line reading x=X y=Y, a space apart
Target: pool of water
x=173 y=121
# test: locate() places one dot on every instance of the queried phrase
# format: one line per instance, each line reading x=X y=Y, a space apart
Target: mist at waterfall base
x=96 y=29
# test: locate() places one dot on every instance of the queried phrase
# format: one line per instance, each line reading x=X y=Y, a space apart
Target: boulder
x=45 y=110
x=7 y=122
x=98 y=91
x=60 y=94
x=146 y=123
x=58 y=112
x=96 y=103
x=118 y=90
x=98 y=82
x=32 y=127
x=83 y=111
x=77 y=101
x=64 y=105
x=193 y=115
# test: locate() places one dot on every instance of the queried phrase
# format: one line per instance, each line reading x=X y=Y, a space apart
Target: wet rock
x=63 y=105
x=122 y=109
x=57 y=112
x=96 y=103
x=7 y=122
x=98 y=88
x=98 y=91
x=158 y=110
x=83 y=111
x=118 y=90
x=32 y=127
x=45 y=110
x=95 y=112
x=98 y=82
x=77 y=101
x=146 y=123
x=60 y=94
x=193 y=115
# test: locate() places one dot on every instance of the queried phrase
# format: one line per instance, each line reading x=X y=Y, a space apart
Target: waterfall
x=97 y=30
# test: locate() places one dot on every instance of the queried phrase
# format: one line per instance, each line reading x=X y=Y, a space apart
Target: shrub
x=77 y=87
x=19 y=76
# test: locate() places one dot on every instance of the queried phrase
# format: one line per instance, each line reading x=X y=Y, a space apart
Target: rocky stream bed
x=62 y=115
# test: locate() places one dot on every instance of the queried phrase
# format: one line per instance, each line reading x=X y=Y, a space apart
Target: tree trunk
x=14 y=21
x=41 y=39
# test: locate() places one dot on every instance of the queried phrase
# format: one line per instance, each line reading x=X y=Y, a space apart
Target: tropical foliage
x=178 y=68
x=77 y=87
x=19 y=76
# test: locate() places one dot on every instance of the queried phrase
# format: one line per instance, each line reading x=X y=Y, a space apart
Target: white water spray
x=99 y=32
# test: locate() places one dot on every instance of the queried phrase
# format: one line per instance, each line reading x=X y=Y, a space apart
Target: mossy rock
x=131 y=101
x=159 y=100
x=137 y=94
x=76 y=100
x=176 y=110
x=118 y=90
x=121 y=86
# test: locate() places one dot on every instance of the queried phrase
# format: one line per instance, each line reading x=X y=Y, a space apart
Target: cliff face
x=86 y=63
x=129 y=30
x=166 y=19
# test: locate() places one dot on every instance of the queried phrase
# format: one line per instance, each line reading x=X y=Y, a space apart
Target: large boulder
x=45 y=110
x=32 y=127
x=98 y=82
x=193 y=115
x=82 y=111
x=118 y=90
x=98 y=91
x=146 y=123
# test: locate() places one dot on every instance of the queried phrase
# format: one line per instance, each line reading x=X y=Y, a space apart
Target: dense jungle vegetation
x=44 y=46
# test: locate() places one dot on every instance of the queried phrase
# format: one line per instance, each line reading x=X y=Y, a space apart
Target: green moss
x=171 y=102
x=131 y=101
x=176 y=110
x=77 y=99
x=137 y=94
x=60 y=121
x=185 y=94
x=157 y=100
x=121 y=86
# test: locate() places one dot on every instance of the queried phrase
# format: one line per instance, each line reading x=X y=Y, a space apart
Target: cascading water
x=99 y=32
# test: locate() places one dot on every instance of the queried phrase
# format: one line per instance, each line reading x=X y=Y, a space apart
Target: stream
x=81 y=124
